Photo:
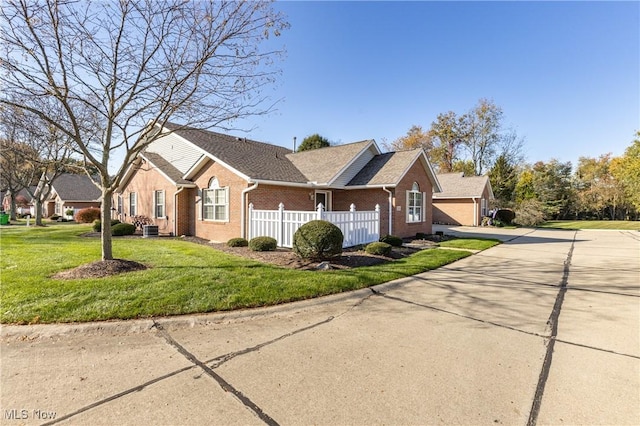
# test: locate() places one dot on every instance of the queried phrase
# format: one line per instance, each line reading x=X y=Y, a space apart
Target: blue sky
x=566 y=74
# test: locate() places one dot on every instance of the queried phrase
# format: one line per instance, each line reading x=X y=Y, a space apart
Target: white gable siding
x=180 y=154
x=355 y=167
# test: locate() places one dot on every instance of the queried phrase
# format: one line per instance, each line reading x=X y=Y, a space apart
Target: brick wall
x=400 y=226
x=144 y=182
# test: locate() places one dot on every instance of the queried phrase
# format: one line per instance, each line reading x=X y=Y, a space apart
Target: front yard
x=183 y=277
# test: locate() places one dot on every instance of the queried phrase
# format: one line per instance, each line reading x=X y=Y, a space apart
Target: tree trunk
x=38 y=212
x=13 y=207
x=105 y=217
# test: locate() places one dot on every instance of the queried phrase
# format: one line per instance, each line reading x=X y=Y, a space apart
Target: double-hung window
x=159 y=207
x=215 y=202
x=414 y=204
x=133 y=204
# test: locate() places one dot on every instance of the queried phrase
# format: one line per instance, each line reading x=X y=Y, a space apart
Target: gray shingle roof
x=256 y=160
x=71 y=187
x=165 y=167
x=323 y=164
x=385 y=169
x=457 y=185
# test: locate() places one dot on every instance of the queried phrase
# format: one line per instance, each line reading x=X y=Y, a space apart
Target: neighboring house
x=71 y=192
x=464 y=200
x=24 y=202
x=201 y=183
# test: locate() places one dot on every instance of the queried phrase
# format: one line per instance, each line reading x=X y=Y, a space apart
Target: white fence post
x=280 y=229
x=320 y=210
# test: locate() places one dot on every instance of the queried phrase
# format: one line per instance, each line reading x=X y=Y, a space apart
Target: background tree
x=504 y=177
x=599 y=194
x=552 y=184
x=416 y=137
x=34 y=154
x=626 y=170
x=314 y=141
x=482 y=134
x=448 y=135
x=119 y=69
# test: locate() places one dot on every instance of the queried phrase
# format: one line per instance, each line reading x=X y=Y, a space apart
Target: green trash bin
x=4 y=219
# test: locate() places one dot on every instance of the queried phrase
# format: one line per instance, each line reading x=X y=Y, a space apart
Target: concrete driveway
x=543 y=329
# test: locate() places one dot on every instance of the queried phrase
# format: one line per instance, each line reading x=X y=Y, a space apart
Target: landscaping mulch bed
x=350 y=258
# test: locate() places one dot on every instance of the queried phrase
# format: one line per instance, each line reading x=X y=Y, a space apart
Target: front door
x=323 y=197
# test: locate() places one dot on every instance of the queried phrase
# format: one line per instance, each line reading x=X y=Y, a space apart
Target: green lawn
x=470 y=243
x=183 y=277
x=625 y=225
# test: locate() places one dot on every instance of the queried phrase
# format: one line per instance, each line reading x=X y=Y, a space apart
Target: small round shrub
x=120 y=229
x=97 y=224
x=318 y=240
x=237 y=242
x=392 y=240
x=263 y=244
x=87 y=215
x=378 y=248
x=505 y=216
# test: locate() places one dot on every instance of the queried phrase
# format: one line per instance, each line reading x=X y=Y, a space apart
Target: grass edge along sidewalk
x=183 y=278
x=618 y=225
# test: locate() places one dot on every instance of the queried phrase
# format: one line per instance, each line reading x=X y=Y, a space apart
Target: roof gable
x=250 y=159
x=165 y=168
x=388 y=169
x=457 y=185
x=324 y=165
x=71 y=187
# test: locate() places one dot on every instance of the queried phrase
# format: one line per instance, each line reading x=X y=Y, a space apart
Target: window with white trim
x=215 y=202
x=133 y=204
x=158 y=202
x=414 y=204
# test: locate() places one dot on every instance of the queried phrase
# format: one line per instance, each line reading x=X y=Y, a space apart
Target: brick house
x=464 y=200
x=201 y=183
x=71 y=192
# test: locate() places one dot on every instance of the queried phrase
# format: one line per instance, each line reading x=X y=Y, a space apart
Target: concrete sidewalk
x=542 y=329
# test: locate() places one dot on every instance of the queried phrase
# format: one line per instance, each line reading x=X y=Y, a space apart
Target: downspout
x=243 y=210
x=384 y=188
x=175 y=211
x=475 y=211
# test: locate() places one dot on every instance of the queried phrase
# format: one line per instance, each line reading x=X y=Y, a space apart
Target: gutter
x=243 y=209
x=384 y=188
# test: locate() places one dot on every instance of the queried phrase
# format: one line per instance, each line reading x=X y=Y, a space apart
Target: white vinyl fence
x=358 y=227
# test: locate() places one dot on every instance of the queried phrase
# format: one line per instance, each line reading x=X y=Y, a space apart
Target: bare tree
x=34 y=154
x=120 y=69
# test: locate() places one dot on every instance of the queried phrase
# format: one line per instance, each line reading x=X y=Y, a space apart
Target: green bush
x=505 y=216
x=237 y=242
x=392 y=240
x=87 y=215
x=97 y=224
x=318 y=240
x=263 y=244
x=378 y=248
x=120 y=229
x=530 y=213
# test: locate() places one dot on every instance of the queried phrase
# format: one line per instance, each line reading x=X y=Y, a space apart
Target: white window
x=159 y=204
x=414 y=204
x=323 y=197
x=215 y=202
x=133 y=204
x=483 y=207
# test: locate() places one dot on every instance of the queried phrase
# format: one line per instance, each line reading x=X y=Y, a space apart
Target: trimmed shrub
x=237 y=242
x=120 y=229
x=318 y=240
x=392 y=240
x=505 y=216
x=263 y=244
x=97 y=224
x=380 y=248
x=87 y=215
